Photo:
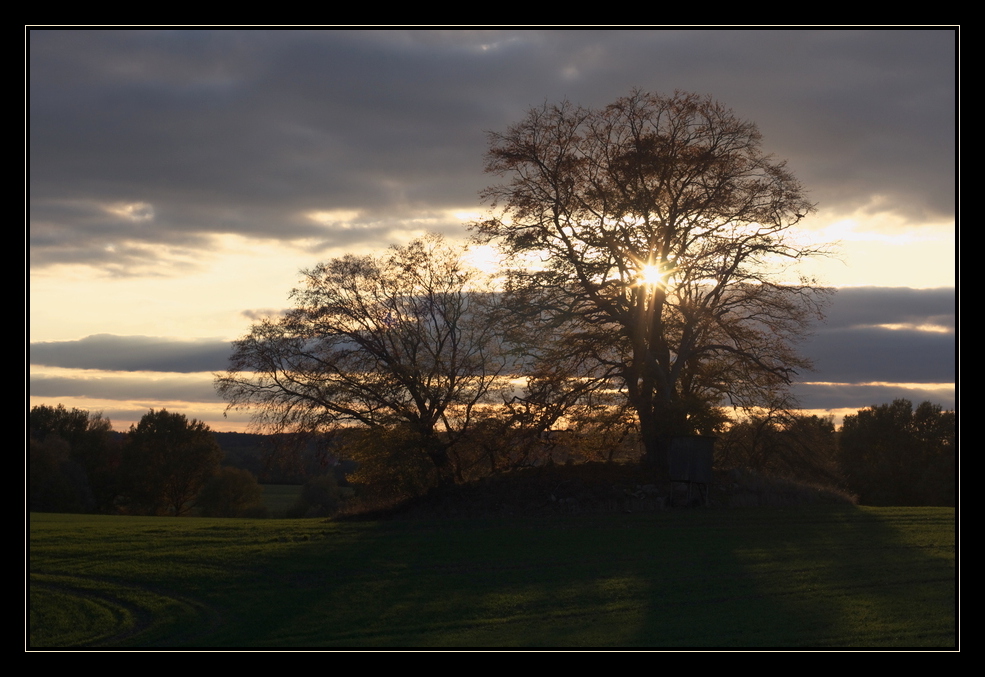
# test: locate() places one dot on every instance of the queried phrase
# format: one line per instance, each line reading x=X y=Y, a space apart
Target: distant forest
x=892 y=454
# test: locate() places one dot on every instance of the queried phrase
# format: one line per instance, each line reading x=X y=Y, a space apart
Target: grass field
x=820 y=576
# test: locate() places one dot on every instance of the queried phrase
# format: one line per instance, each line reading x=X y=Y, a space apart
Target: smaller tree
x=391 y=464
x=167 y=460
x=57 y=484
x=893 y=455
x=408 y=341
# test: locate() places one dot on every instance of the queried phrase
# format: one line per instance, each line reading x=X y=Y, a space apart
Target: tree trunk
x=660 y=423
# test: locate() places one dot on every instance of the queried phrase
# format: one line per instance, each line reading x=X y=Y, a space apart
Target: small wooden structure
x=690 y=460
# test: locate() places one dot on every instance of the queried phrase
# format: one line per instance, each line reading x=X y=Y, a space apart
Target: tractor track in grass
x=124 y=613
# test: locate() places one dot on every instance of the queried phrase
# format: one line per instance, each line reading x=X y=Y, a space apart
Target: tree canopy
x=658 y=231
x=893 y=454
x=72 y=458
x=167 y=459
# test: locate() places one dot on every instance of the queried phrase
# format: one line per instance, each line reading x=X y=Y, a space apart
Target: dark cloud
x=861 y=361
x=866 y=355
x=189 y=133
x=862 y=307
x=877 y=334
x=133 y=353
x=851 y=396
x=122 y=386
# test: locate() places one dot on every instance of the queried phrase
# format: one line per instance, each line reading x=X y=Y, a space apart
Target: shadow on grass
x=757 y=577
x=741 y=578
x=809 y=577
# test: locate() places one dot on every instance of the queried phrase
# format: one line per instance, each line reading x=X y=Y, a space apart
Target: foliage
x=167 y=459
x=231 y=492
x=747 y=488
x=406 y=339
x=76 y=426
x=392 y=464
x=57 y=483
x=894 y=455
x=663 y=227
x=293 y=458
x=72 y=460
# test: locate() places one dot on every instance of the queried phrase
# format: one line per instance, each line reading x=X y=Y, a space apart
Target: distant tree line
x=74 y=461
x=891 y=454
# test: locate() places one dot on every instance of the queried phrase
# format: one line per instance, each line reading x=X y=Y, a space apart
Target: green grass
x=821 y=576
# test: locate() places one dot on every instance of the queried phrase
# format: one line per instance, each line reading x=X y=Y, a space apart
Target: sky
x=179 y=180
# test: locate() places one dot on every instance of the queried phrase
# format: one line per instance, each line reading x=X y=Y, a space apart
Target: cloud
x=856 y=307
x=871 y=334
x=895 y=335
x=867 y=355
x=147 y=143
x=880 y=344
x=856 y=396
x=152 y=387
x=133 y=353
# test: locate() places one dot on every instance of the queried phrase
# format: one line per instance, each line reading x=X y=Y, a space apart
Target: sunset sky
x=179 y=180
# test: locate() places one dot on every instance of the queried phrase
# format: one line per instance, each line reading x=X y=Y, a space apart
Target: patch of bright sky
x=916 y=386
x=340 y=218
x=207 y=299
x=237 y=274
x=124 y=397
x=909 y=326
x=133 y=211
x=883 y=250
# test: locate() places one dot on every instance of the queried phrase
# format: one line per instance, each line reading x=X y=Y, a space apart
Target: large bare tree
x=410 y=338
x=658 y=229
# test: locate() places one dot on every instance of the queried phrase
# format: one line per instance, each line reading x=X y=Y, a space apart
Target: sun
x=650 y=274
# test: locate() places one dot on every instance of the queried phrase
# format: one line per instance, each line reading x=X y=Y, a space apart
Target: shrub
x=231 y=492
x=57 y=483
x=783 y=444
